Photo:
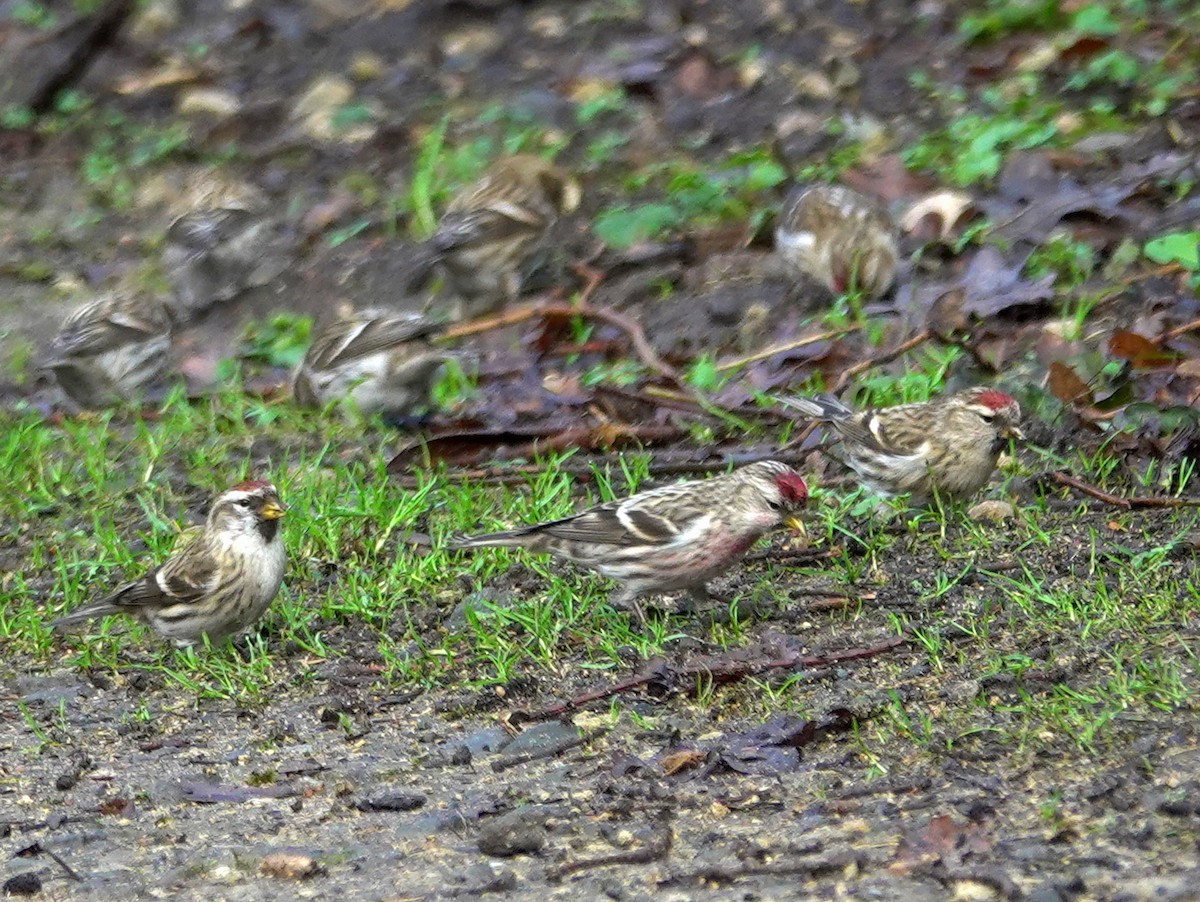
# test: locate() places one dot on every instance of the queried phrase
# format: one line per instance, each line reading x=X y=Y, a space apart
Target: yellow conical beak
x=272 y=509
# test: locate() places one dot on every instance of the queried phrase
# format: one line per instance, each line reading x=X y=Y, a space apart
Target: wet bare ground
x=691 y=786
x=772 y=784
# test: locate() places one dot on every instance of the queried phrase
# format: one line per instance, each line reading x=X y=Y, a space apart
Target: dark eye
x=988 y=416
x=775 y=505
x=245 y=502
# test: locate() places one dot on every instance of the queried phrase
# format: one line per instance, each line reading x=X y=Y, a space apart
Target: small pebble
x=993 y=510
x=291 y=866
x=513 y=834
x=393 y=801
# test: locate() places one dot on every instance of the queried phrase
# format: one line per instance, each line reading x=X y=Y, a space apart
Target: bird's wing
x=187 y=577
x=500 y=206
x=640 y=520
x=115 y=328
x=497 y=221
x=202 y=230
x=366 y=337
x=904 y=431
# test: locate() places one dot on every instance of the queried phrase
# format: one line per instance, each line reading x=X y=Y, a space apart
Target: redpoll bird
x=375 y=361
x=220 y=583
x=676 y=537
x=839 y=237
x=214 y=255
x=489 y=231
x=949 y=445
x=109 y=351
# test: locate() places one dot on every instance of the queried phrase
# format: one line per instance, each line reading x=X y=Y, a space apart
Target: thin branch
x=633 y=329
x=737 y=362
x=656 y=849
x=1134 y=503
x=718 y=672
x=885 y=357
x=1177 y=331
x=836 y=862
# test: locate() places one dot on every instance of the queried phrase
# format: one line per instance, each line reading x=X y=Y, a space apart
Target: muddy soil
x=379 y=793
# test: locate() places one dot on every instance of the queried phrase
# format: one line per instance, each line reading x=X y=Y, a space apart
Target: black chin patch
x=268 y=529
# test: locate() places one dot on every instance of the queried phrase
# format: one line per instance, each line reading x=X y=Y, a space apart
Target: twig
x=1135 y=503
x=1177 y=331
x=893 y=786
x=38 y=849
x=630 y=327
x=1165 y=270
x=656 y=849
x=811 y=868
x=717 y=672
x=885 y=357
x=799 y=554
x=592 y=278
x=726 y=365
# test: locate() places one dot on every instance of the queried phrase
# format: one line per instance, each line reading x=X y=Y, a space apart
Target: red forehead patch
x=995 y=399
x=792 y=487
x=251 y=485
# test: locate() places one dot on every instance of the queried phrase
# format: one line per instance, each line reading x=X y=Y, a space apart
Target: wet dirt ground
x=379 y=794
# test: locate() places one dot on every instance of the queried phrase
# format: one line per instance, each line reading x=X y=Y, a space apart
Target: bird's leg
x=626 y=599
x=698 y=599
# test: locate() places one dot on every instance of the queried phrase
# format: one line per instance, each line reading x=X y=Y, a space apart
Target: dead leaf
x=173 y=73
x=114 y=807
x=1066 y=386
x=994 y=284
x=943 y=840
x=1033 y=199
x=683 y=759
x=1140 y=351
x=888 y=179
x=946 y=316
x=943 y=209
x=699 y=78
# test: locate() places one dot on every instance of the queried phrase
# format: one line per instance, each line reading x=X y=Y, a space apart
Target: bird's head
x=249 y=507
x=999 y=412
x=777 y=493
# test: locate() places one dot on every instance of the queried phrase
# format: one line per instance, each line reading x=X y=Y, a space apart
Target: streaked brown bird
x=373 y=361
x=676 y=537
x=111 y=350
x=839 y=237
x=949 y=445
x=214 y=254
x=219 y=584
x=491 y=230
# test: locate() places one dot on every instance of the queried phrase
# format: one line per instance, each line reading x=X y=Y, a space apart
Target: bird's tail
x=822 y=407
x=524 y=537
x=82 y=613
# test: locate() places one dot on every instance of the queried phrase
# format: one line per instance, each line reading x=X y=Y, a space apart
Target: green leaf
x=1094 y=19
x=626 y=226
x=1178 y=247
x=704 y=374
